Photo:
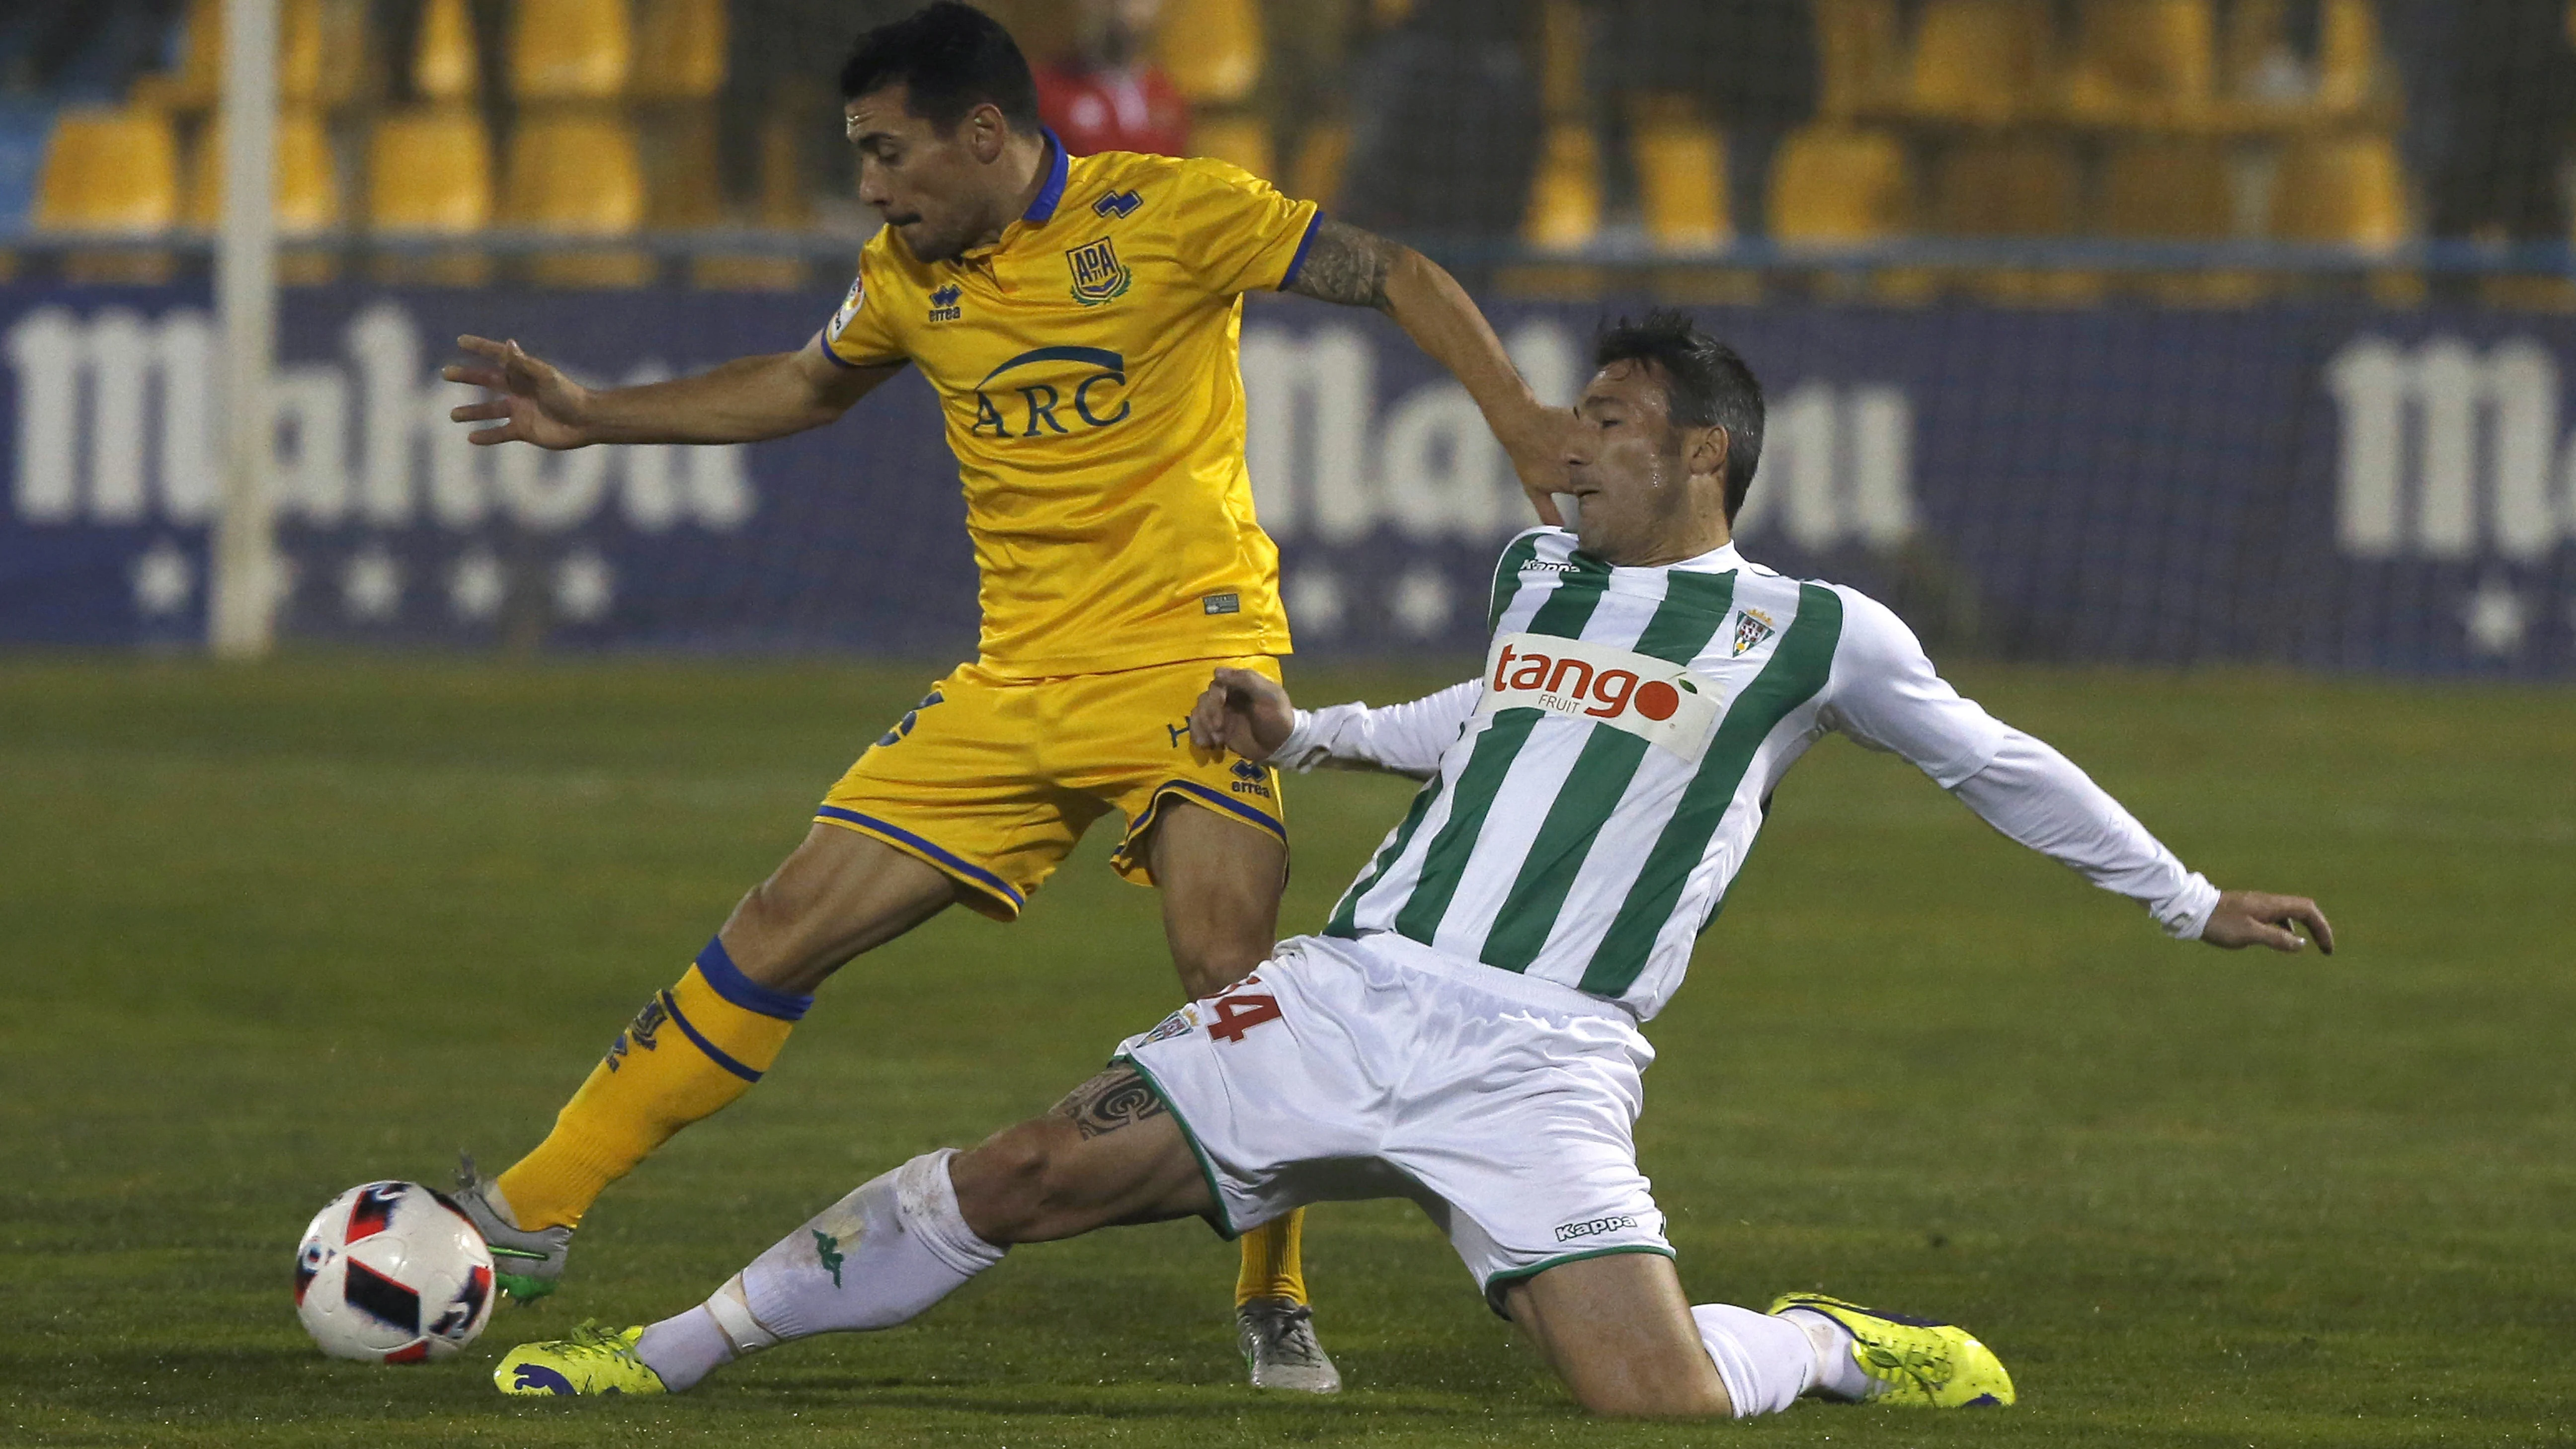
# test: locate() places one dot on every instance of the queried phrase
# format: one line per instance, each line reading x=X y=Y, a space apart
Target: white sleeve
x=2037 y=796
x=1405 y=739
x=1884 y=693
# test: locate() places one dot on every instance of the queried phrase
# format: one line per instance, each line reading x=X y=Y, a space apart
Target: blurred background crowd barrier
x=2163 y=330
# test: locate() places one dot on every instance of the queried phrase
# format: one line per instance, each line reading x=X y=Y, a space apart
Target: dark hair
x=949 y=58
x=1706 y=385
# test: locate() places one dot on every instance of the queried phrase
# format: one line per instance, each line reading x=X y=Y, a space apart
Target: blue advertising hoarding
x=2333 y=487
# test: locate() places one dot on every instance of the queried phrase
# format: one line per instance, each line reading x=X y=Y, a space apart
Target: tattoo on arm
x=1347 y=265
x=1114 y=1099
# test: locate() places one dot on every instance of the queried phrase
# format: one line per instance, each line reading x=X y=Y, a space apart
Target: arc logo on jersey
x=1098 y=275
x=1654 y=699
x=1059 y=390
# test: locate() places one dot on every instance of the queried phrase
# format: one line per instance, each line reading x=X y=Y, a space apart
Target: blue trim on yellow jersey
x=837 y=359
x=1299 y=260
x=1059 y=166
x=714 y=1053
x=1211 y=798
x=975 y=873
x=1097 y=356
x=716 y=964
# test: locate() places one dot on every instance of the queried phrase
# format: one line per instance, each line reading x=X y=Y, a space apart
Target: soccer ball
x=392 y=1272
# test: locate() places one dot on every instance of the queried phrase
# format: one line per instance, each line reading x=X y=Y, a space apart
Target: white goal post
x=242 y=604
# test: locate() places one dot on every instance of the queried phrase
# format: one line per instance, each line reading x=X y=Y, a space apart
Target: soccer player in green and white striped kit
x=1464 y=1032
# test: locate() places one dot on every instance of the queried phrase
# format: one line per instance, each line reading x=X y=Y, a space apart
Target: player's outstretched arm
x=1360 y=269
x=742 y=401
x=2259 y=918
x=1252 y=716
x=1245 y=712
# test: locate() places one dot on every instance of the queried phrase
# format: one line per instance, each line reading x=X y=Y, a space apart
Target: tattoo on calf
x=1107 y=1102
x=1347 y=265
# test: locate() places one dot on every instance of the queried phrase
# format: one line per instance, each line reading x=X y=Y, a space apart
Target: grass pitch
x=266 y=933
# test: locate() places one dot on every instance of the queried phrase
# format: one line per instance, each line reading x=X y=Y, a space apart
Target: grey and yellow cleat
x=526 y=1264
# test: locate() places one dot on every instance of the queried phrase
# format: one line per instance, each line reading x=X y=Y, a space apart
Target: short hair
x=1706 y=385
x=949 y=58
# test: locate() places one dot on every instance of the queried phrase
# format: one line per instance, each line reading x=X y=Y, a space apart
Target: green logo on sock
x=827 y=1250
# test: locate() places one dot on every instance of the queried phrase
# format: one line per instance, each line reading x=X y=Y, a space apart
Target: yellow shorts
x=992 y=779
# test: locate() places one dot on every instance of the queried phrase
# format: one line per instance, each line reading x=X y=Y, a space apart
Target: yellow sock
x=1273 y=1264
x=687 y=1055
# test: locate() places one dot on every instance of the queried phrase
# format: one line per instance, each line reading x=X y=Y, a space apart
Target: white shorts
x=1380 y=1068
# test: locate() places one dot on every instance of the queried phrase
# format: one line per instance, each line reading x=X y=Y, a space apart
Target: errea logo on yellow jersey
x=1059 y=391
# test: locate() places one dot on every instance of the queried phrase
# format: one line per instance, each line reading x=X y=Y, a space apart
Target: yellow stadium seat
x=1211 y=48
x=576 y=173
x=684 y=183
x=569 y=50
x=2344 y=189
x=1681 y=174
x=1861 y=49
x=1237 y=137
x=1321 y=158
x=1979 y=60
x=2142 y=59
x=2167 y=191
x=430 y=170
x=320 y=44
x=2014 y=187
x=109 y=170
x=307 y=179
x=1565 y=195
x=444 y=63
x=679 y=50
x=1562 y=47
x=1835 y=185
x=2348 y=62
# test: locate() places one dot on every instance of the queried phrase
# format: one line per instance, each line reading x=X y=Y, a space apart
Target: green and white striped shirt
x=1594 y=793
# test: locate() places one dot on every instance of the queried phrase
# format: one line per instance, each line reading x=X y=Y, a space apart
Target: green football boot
x=526 y=1264
x=1923 y=1364
x=593 y=1361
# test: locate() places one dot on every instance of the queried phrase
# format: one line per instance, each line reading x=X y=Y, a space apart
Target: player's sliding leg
x=1619 y=1332
x=700 y=1044
x=1108 y=1153
x=1221 y=882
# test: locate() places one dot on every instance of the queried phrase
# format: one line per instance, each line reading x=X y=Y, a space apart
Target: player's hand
x=536 y=403
x=2259 y=918
x=1537 y=451
x=1245 y=712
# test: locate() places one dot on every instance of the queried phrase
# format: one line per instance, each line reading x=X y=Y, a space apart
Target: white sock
x=1838 y=1375
x=874 y=1259
x=1766 y=1362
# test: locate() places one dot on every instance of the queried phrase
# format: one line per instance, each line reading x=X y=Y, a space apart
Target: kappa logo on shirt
x=1654 y=699
x=1568 y=1232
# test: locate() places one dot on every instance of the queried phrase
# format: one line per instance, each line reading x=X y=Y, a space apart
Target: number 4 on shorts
x=1236 y=1015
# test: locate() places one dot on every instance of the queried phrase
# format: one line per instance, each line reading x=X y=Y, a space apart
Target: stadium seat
x=1979 y=60
x=1565 y=196
x=576 y=173
x=1562 y=50
x=569 y=50
x=1321 y=158
x=1211 y=49
x=306 y=176
x=2348 y=60
x=679 y=50
x=444 y=64
x=2015 y=187
x=320 y=52
x=2165 y=190
x=1840 y=185
x=2142 y=60
x=430 y=171
x=109 y=169
x=1236 y=136
x=1860 y=54
x=2340 y=189
x=1681 y=174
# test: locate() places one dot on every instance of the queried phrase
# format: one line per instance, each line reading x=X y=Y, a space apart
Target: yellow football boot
x=594 y=1360
x=1924 y=1364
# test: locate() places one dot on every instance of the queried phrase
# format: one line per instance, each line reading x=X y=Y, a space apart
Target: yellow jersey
x=1086 y=365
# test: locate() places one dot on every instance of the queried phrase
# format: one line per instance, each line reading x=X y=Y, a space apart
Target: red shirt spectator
x=1104 y=109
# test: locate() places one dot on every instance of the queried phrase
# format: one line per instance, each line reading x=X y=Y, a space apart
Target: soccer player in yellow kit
x=1079 y=319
